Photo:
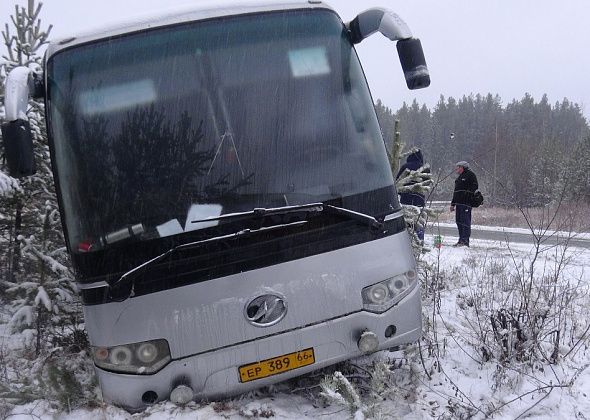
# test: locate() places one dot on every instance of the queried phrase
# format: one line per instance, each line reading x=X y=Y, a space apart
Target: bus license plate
x=276 y=365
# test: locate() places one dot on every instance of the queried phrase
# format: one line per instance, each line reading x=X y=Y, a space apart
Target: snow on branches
x=415 y=183
x=37 y=287
x=22 y=46
x=8 y=185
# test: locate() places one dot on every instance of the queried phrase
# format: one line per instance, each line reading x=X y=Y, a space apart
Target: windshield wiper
x=355 y=215
x=132 y=274
x=261 y=212
x=309 y=209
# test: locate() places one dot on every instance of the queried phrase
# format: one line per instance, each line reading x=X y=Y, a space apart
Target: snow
x=23 y=315
x=43 y=297
x=450 y=380
x=17 y=87
x=524 y=231
x=8 y=185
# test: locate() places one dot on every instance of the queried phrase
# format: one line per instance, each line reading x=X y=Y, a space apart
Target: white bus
x=225 y=194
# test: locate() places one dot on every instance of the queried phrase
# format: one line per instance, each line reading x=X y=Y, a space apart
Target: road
x=509 y=236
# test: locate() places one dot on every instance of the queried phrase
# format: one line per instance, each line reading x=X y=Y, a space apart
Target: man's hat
x=462 y=163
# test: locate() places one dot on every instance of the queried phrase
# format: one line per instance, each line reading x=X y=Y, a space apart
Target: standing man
x=465 y=187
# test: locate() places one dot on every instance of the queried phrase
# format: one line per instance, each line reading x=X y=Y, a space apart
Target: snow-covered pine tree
x=418 y=181
x=8 y=185
x=37 y=282
x=395 y=149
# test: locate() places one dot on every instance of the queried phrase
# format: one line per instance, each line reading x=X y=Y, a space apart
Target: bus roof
x=173 y=16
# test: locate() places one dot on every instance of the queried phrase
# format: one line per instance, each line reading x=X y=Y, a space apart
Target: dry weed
x=569 y=217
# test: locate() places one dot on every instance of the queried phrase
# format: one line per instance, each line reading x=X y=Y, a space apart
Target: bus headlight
x=139 y=358
x=381 y=296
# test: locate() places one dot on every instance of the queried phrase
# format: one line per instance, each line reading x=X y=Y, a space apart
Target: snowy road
x=513 y=235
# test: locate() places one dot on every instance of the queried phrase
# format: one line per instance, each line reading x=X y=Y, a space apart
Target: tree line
x=525 y=153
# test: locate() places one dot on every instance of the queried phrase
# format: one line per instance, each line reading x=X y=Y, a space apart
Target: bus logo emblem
x=265 y=310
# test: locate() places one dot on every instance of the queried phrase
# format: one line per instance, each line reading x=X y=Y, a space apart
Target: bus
x=225 y=194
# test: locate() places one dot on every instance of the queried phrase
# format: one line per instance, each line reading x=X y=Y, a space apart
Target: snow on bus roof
x=173 y=15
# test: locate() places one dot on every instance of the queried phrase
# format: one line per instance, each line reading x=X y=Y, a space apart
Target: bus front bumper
x=215 y=374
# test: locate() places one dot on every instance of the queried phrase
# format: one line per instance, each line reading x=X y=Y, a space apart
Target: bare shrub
x=523 y=311
x=361 y=388
x=523 y=314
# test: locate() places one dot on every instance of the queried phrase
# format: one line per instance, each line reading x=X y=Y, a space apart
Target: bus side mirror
x=394 y=28
x=16 y=132
x=18 y=148
x=413 y=63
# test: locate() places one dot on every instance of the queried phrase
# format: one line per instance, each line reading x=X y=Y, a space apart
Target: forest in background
x=525 y=153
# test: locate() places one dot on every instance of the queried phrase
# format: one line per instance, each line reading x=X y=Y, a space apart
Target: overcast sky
x=508 y=47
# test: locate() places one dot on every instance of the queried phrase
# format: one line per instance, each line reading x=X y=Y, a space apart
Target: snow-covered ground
x=448 y=375
x=524 y=231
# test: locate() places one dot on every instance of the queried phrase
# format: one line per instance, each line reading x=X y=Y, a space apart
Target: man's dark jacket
x=465 y=186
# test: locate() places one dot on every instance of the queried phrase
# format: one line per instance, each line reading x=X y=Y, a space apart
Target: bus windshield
x=175 y=124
